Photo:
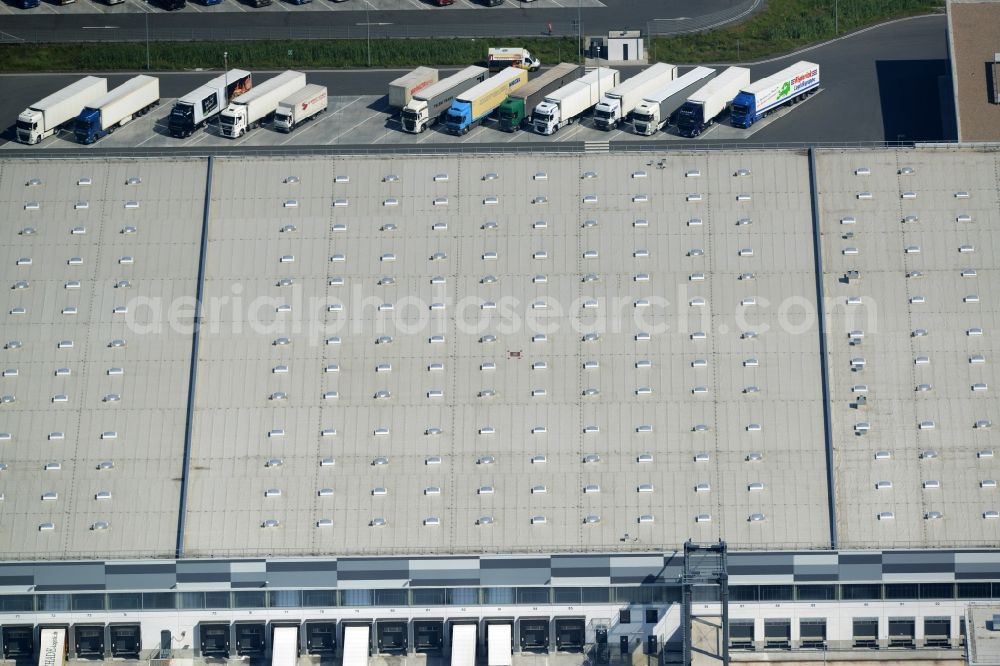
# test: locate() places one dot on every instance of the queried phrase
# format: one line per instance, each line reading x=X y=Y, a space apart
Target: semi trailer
x=657 y=110
x=762 y=97
x=402 y=90
x=299 y=107
x=116 y=108
x=617 y=104
x=429 y=105
x=706 y=104
x=499 y=58
x=515 y=111
x=255 y=107
x=470 y=107
x=195 y=109
x=572 y=100
x=43 y=118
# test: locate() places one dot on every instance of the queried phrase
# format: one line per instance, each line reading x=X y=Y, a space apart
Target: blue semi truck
x=129 y=100
x=762 y=97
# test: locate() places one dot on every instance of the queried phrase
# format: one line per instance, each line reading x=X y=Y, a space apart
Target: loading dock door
x=285 y=646
x=499 y=637
x=463 y=645
x=52 y=650
x=356 y=645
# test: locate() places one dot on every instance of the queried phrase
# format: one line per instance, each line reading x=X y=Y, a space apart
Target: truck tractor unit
x=763 y=97
x=104 y=115
x=657 y=111
x=43 y=118
x=471 y=107
x=515 y=112
x=709 y=102
x=257 y=106
x=429 y=105
x=617 y=104
x=568 y=103
x=194 y=110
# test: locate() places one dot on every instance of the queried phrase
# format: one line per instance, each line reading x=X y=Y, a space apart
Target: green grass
x=312 y=54
x=783 y=26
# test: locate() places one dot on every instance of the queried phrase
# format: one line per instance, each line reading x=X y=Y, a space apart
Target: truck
x=564 y=105
x=41 y=119
x=470 y=107
x=657 y=110
x=299 y=107
x=195 y=109
x=508 y=56
x=248 y=111
x=401 y=90
x=429 y=105
x=762 y=97
x=618 y=103
x=116 y=108
x=707 y=103
x=515 y=111
x=28 y=4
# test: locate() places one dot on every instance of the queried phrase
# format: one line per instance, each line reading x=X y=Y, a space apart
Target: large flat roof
x=325 y=399
x=81 y=403
x=973 y=26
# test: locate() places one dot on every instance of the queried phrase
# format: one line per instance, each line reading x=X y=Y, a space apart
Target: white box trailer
x=52 y=647
x=764 y=96
x=356 y=641
x=196 y=108
x=705 y=105
x=251 y=109
x=498 y=637
x=463 y=644
x=129 y=100
x=569 y=102
x=43 y=118
x=655 y=110
x=402 y=90
x=285 y=646
x=618 y=103
x=299 y=107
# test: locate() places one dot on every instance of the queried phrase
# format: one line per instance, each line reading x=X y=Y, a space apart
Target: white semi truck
x=706 y=104
x=427 y=106
x=569 y=102
x=616 y=104
x=656 y=110
x=250 y=110
x=107 y=113
x=43 y=118
x=195 y=109
x=300 y=107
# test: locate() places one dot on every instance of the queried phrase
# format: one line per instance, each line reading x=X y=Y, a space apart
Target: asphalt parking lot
x=855 y=104
x=197 y=6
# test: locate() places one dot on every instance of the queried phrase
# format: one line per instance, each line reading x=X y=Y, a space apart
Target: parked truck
x=402 y=90
x=299 y=107
x=469 y=108
x=42 y=119
x=430 y=104
x=706 y=104
x=515 y=111
x=566 y=104
x=507 y=56
x=116 y=108
x=617 y=104
x=762 y=97
x=195 y=109
x=657 y=110
x=255 y=107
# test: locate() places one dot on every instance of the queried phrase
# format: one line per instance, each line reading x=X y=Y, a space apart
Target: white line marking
x=378 y=113
x=329 y=114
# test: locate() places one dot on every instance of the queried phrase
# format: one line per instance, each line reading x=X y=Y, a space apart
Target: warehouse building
x=495 y=405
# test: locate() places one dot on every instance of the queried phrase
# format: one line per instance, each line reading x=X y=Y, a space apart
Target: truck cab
x=28 y=4
x=646 y=118
x=180 y=122
x=607 y=113
x=458 y=119
x=414 y=116
x=744 y=110
x=233 y=121
x=546 y=117
x=512 y=114
x=87 y=127
x=690 y=120
x=27 y=126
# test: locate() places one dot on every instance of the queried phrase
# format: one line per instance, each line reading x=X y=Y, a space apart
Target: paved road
x=390 y=18
x=871 y=83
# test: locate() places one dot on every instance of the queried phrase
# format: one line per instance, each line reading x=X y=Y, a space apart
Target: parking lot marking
x=330 y=114
x=239 y=5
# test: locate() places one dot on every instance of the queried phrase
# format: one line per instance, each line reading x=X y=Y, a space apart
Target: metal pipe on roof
x=195 y=342
x=823 y=357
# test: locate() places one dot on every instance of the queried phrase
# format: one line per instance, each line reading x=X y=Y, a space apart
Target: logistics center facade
x=424 y=403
